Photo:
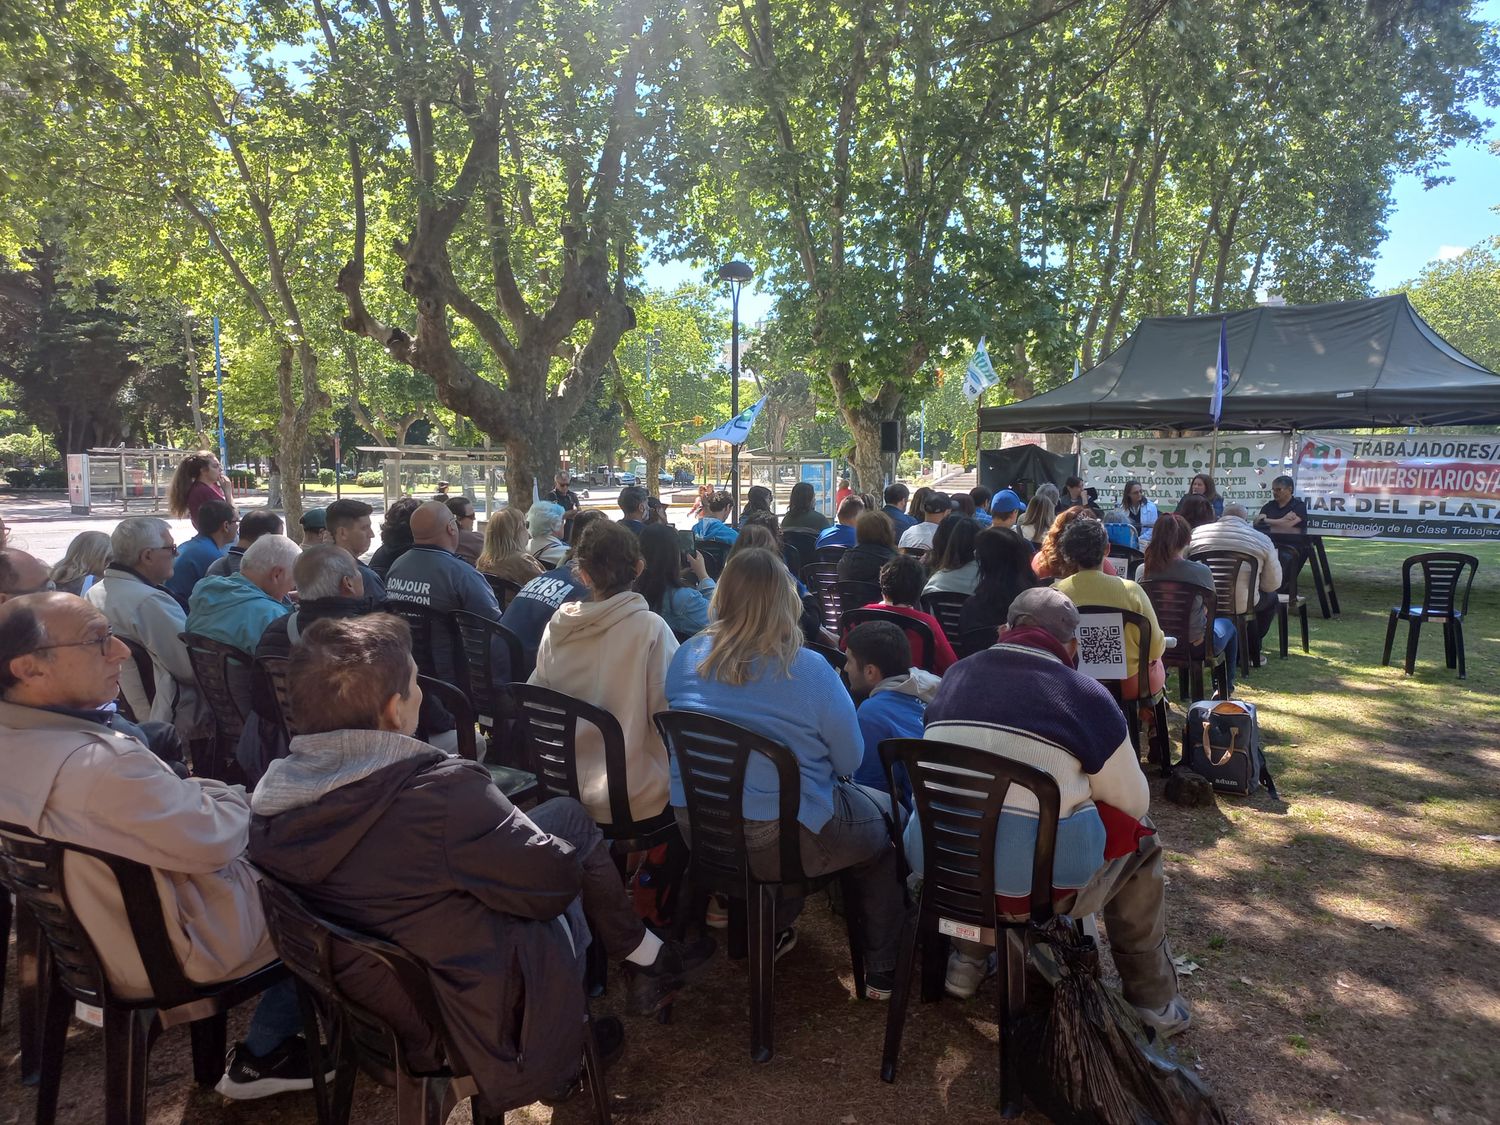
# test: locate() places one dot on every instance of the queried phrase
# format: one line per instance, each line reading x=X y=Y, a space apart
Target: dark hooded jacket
x=383 y=834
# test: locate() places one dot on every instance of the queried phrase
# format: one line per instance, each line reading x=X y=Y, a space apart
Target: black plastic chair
x=800 y=547
x=311 y=946
x=218 y=667
x=517 y=784
x=1226 y=567
x=274 y=671
x=1127 y=559
x=1288 y=601
x=856 y=595
x=488 y=682
x=76 y=973
x=711 y=757
x=959 y=793
x=1174 y=603
x=145 y=670
x=33 y=980
x=504 y=589
x=829 y=554
x=919 y=632
x=1442 y=576
x=834 y=657
x=948 y=608
x=975 y=640
x=1161 y=745
x=714 y=555
x=436 y=645
x=822 y=579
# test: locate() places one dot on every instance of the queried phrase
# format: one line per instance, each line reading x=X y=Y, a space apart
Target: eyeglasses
x=101 y=642
x=165 y=547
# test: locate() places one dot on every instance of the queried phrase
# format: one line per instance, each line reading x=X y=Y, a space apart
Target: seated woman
x=1050 y=562
x=683 y=605
x=901 y=582
x=83 y=564
x=545 y=522
x=1085 y=545
x=1167 y=558
x=1196 y=510
x=874 y=546
x=800 y=511
x=954 y=570
x=1203 y=485
x=1121 y=532
x=712 y=525
x=749 y=667
x=613 y=652
x=1140 y=510
x=395 y=535
x=1040 y=511
x=504 y=553
x=758 y=499
x=1004 y=571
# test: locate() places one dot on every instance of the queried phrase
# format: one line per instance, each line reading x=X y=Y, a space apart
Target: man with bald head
x=22 y=574
x=78 y=773
x=432 y=574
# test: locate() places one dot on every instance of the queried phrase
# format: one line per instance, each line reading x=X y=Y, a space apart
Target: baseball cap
x=938 y=502
x=1047 y=608
x=1005 y=502
x=314 y=519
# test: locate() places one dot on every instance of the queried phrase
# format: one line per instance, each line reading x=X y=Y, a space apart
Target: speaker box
x=890 y=437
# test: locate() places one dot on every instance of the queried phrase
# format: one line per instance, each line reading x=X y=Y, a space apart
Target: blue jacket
x=839 y=535
x=809 y=712
x=899 y=519
x=193 y=560
x=896 y=708
x=233 y=610
x=685 y=610
x=718 y=530
x=531 y=609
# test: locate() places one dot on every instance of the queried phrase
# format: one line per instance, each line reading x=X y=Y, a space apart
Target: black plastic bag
x=1096 y=1064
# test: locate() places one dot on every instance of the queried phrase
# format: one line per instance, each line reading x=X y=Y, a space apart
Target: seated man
x=22 y=574
x=890 y=694
x=935 y=509
x=401 y=841
x=262 y=521
x=217 y=527
x=349 y=527
x=895 y=506
x=841 y=534
x=716 y=507
x=981 y=497
x=1284 y=512
x=78 y=774
x=236 y=609
x=314 y=523
x=138 y=606
x=1067 y=725
x=632 y=508
x=1232 y=532
x=1006 y=509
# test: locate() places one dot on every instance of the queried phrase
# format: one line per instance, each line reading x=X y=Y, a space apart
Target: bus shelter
x=132 y=478
x=415 y=470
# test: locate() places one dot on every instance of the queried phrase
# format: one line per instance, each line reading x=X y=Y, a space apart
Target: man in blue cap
x=1006 y=508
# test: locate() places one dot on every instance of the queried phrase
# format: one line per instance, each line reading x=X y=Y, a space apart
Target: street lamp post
x=736 y=273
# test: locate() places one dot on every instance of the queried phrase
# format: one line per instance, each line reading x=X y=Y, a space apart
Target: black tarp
x=1024 y=467
x=1331 y=366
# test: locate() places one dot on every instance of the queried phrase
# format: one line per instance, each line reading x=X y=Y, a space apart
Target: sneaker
x=1167 y=1021
x=878 y=985
x=786 y=941
x=284 y=1069
x=965 y=976
x=717 y=917
x=609 y=1042
x=652 y=987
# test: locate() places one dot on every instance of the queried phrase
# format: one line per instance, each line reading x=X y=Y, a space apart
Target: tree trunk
x=867 y=462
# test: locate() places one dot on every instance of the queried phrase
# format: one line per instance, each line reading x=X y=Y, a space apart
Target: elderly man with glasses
x=79 y=773
x=131 y=595
x=22 y=574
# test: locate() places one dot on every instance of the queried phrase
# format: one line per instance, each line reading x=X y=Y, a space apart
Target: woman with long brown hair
x=1049 y=561
x=749 y=666
x=1166 y=557
x=199 y=478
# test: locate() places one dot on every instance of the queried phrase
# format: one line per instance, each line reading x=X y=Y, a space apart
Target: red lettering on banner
x=1476 y=481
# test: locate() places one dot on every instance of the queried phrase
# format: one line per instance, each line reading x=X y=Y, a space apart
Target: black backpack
x=1221 y=741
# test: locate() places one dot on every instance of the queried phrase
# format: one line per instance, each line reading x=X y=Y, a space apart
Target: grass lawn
x=1345 y=937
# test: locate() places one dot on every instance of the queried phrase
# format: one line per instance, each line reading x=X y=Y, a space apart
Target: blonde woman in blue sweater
x=750 y=668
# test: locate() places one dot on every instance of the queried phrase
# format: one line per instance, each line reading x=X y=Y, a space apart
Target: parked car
x=665 y=478
x=683 y=476
x=627 y=479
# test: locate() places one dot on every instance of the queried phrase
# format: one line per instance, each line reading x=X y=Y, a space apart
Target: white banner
x=1401 y=486
x=1243 y=466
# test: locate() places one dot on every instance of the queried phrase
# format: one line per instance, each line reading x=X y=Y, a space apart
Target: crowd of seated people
x=370 y=816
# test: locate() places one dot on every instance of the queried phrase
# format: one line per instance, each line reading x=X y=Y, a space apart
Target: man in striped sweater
x=1053 y=718
x=1232 y=532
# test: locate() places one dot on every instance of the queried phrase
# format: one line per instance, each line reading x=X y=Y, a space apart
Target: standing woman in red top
x=199 y=478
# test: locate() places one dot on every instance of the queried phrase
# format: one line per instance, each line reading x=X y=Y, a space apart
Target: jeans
x=606 y=903
x=277 y=1018
x=856 y=839
x=1226 y=638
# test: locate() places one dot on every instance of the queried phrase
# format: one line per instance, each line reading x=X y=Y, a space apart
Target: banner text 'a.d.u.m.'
x=1243 y=465
x=1401 y=486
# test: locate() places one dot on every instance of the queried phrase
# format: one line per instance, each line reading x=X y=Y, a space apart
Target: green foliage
x=37 y=478
x=374 y=479
x=1460 y=298
x=909 y=464
x=30 y=445
x=242 y=478
x=326 y=478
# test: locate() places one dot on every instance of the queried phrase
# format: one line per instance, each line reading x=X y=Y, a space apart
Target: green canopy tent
x=1333 y=366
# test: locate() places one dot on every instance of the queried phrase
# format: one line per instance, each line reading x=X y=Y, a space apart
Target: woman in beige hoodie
x=613 y=652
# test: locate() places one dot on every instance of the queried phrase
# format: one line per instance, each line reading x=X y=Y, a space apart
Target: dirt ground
x=1345 y=937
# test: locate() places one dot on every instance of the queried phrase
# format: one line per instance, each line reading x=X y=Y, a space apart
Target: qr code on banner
x=1101 y=644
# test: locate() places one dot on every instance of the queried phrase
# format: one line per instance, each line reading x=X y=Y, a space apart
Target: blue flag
x=1221 y=372
x=980 y=375
x=737 y=429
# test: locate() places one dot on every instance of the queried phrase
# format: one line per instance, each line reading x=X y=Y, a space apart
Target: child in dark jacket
x=892 y=695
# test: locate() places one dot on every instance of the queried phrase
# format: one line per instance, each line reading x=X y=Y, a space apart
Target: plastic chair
x=311 y=945
x=834 y=657
x=1287 y=598
x=975 y=640
x=1129 y=559
x=212 y=662
x=1174 y=603
x=1226 y=567
x=949 y=610
x=145 y=670
x=829 y=554
x=1161 y=746
x=1442 y=575
x=487 y=689
x=504 y=589
x=517 y=784
x=33 y=980
x=855 y=595
x=436 y=645
x=959 y=793
x=274 y=669
x=714 y=555
x=800 y=547
x=711 y=757
x=76 y=973
x=918 y=632
x=823 y=580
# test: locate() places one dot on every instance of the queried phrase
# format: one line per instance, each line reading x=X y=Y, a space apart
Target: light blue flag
x=980 y=375
x=1075 y=367
x=737 y=429
x=1221 y=376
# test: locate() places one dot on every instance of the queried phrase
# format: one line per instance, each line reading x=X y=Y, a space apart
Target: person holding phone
x=665 y=581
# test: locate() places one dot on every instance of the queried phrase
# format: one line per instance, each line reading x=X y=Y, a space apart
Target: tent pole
x=1213 y=455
